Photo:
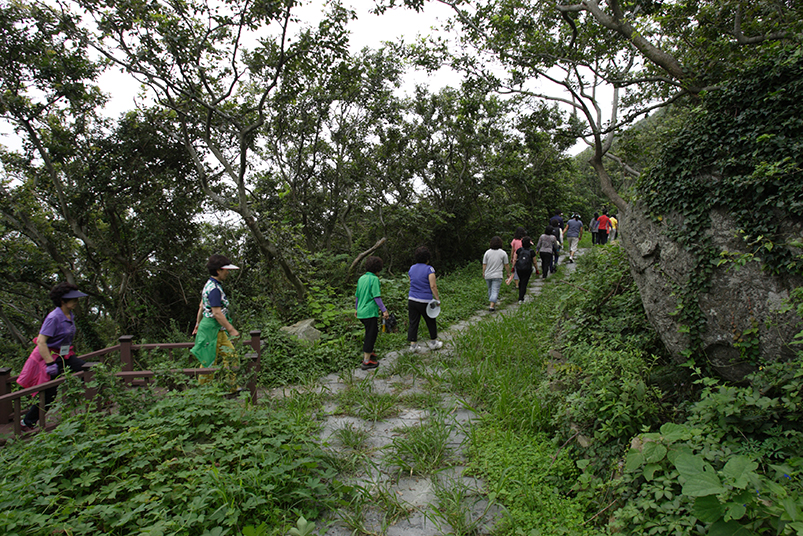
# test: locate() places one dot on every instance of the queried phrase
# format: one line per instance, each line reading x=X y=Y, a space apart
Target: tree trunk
x=362 y=255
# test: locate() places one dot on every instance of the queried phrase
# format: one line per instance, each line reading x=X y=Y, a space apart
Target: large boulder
x=742 y=307
x=305 y=331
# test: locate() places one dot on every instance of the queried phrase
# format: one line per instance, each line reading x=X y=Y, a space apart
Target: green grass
x=525 y=472
x=421 y=449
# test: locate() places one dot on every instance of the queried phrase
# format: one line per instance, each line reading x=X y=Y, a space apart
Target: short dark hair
x=520 y=231
x=526 y=242
x=549 y=230
x=421 y=255
x=373 y=264
x=605 y=212
x=216 y=262
x=496 y=242
x=60 y=290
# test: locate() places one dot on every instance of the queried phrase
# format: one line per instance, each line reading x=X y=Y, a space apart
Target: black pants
x=75 y=365
x=415 y=310
x=546 y=263
x=593 y=238
x=602 y=237
x=371 y=332
x=524 y=278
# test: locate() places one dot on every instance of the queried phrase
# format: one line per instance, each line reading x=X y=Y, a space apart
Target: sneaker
x=26 y=427
x=414 y=347
x=374 y=357
x=435 y=344
x=491 y=310
x=521 y=301
x=369 y=365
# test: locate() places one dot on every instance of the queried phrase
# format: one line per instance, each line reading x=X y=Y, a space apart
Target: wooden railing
x=11 y=402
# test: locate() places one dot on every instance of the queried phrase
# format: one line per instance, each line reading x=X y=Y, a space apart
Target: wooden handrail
x=10 y=403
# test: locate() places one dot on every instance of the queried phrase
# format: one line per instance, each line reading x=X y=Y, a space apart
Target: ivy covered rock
x=716 y=240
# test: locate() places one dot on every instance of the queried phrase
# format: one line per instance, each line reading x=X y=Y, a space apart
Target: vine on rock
x=740 y=152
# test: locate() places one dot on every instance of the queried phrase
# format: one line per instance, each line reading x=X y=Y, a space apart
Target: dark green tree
x=215 y=66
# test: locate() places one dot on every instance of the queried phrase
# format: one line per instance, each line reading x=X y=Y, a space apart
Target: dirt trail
x=402 y=502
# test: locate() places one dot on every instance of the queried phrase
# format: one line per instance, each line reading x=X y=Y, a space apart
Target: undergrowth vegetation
x=191 y=462
x=590 y=429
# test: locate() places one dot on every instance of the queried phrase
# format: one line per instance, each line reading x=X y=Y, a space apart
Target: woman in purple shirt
x=423 y=289
x=54 y=351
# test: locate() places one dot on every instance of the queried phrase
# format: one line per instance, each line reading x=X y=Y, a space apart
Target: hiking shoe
x=374 y=357
x=435 y=344
x=26 y=427
x=368 y=365
x=491 y=310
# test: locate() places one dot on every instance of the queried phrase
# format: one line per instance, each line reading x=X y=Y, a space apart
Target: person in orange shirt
x=604 y=228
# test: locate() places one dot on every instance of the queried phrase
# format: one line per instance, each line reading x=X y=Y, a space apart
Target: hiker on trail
x=367 y=305
x=573 y=233
x=494 y=266
x=524 y=261
x=546 y=244
x=557 y=220
x=514 y=245
x=594 y=228
x=212 y=323
x=423 y=290
x=53 y=352
x=604 y=227
x=558 y=234
x=614 y=227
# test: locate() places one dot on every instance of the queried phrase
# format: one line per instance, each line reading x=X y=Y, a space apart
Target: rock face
x=304 y=330
x=737 y=301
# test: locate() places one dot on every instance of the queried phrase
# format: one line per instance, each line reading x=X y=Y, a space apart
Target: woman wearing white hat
x=54 y=351
x=212 y=322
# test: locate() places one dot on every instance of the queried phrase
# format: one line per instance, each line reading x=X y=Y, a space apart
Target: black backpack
x=524 y=261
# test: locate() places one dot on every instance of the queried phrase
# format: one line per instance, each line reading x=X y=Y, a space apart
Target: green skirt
x=205 y=348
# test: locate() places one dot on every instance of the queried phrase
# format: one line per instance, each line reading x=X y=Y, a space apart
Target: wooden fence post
x=253 y=363
x=5 y=388
x=42 y=397
x=89 y=375
x=126 y=353
x=256 y=344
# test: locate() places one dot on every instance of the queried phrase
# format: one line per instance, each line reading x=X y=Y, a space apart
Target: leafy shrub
x=193 y=461
x=733 y=467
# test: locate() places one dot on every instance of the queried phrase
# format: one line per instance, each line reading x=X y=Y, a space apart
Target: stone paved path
x=396 y=502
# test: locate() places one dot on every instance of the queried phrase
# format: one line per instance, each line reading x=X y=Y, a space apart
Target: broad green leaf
x=676 y=451
x=791 y=508
x=734 y=511
x=649 y=470
x=673 y=432
x=654 y=452
x=707 y=509
x=634 y=461
x=729 y=528
x=701 y=479
x=737 y=469
x=776 y=489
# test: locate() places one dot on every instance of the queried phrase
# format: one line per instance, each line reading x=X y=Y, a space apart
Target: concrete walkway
x=380 y=458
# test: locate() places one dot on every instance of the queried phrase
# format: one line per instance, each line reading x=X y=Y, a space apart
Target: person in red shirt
x=604 y=227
